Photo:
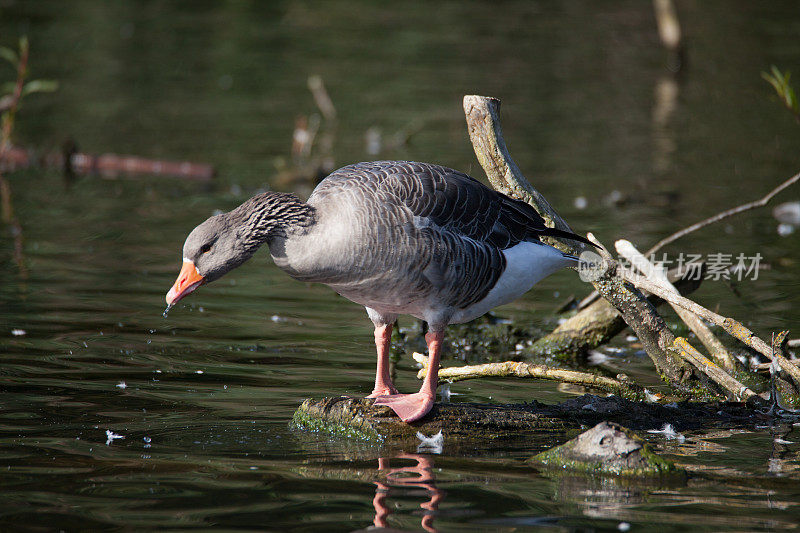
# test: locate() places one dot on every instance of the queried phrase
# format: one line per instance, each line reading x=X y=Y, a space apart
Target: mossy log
x=470 y=423
x=358 y=418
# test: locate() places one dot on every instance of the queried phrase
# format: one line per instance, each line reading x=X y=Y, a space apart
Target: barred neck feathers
x=225 y=241
x=269 y=215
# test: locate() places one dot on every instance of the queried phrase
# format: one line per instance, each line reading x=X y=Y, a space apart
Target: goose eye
x=205 y=248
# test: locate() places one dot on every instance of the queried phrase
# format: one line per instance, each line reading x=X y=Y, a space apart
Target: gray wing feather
x=443 y=228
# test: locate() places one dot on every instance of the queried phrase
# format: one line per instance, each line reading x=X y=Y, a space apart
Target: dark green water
x=208 y=392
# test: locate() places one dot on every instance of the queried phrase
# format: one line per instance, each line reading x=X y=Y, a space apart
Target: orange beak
x=188 y=280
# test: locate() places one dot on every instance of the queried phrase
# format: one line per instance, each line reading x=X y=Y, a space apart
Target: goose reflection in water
x=418 y=477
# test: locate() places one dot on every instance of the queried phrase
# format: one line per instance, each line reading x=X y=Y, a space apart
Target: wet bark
x=471 y=424
x=357 y=418
x=483 y=124
x=598 y=323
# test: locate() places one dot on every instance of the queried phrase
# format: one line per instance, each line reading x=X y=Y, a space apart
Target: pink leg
x=383 y=382
x=411 y=407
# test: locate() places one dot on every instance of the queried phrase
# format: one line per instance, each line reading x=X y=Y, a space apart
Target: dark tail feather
x=553 y=232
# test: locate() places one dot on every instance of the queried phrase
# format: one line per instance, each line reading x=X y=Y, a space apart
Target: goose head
x=211 y=250
x=225 y=241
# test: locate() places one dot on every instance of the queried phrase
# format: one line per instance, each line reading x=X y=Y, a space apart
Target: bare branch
x=483 y=123
x=321 y=97
x=483 y=120
x=718 y=375
x=723 y=215
x=622 y=388
x=709 y=340
x=733 y=327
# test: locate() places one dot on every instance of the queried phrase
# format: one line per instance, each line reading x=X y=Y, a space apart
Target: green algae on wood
x=482 y=425
x=607 y=448
x=345 y=421
x=463 y=422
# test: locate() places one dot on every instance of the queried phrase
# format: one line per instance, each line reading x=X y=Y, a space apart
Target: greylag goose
x=396 y=237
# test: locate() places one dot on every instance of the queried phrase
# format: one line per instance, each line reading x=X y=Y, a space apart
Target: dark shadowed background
x=620 y=145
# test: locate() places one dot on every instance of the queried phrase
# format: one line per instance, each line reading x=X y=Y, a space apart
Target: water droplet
x=166 y=311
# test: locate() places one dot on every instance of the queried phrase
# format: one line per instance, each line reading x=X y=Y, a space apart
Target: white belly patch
x=527 y=263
